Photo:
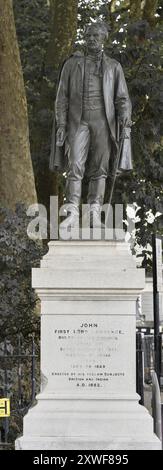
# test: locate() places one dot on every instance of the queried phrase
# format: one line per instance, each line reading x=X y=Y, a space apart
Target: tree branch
x=135 y=9
x=149 y=11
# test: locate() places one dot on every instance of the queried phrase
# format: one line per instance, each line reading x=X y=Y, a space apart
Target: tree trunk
x=149 y=11
x=135 y=9
x=16 y=172
x=63 y=33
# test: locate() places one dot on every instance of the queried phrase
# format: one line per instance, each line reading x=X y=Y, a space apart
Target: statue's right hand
x=61 y=135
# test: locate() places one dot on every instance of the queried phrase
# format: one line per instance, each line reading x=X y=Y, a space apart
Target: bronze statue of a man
x=92 y=112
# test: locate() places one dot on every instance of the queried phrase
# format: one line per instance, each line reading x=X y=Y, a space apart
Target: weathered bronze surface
x=92 y=120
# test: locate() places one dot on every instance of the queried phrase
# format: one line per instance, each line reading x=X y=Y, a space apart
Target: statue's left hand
x=125 y=133
x=61 y=135
x=125 y=128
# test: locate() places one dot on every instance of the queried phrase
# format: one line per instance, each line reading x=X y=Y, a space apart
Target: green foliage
x=18 y=254
x=32 y=21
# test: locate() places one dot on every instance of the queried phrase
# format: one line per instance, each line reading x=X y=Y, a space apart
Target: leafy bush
x=18 y=254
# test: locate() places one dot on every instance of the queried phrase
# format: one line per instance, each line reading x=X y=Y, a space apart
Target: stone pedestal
x=88 y=292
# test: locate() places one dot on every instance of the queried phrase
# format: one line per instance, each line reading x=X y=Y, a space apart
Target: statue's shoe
x=95 y=219
x=72 y=220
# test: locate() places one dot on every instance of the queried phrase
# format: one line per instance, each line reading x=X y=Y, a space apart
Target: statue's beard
x=94 y=48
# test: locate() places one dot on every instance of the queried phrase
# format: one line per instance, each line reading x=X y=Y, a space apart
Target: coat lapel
x=108 y=94
x=80 y=62
x=107 y=70
x=81 y=67
x=106 y=66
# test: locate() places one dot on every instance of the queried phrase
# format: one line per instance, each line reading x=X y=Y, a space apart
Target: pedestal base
x=114 y=424
x=80 y=444
x=88 y=294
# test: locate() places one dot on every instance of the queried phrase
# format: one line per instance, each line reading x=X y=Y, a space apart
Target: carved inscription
x=88 y=354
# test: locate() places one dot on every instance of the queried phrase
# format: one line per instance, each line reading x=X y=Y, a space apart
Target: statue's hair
x=100 y=26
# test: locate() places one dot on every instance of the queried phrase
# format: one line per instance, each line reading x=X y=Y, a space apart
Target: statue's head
x=96 y=34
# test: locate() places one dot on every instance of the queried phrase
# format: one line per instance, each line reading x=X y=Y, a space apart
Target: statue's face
x=94 y=39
